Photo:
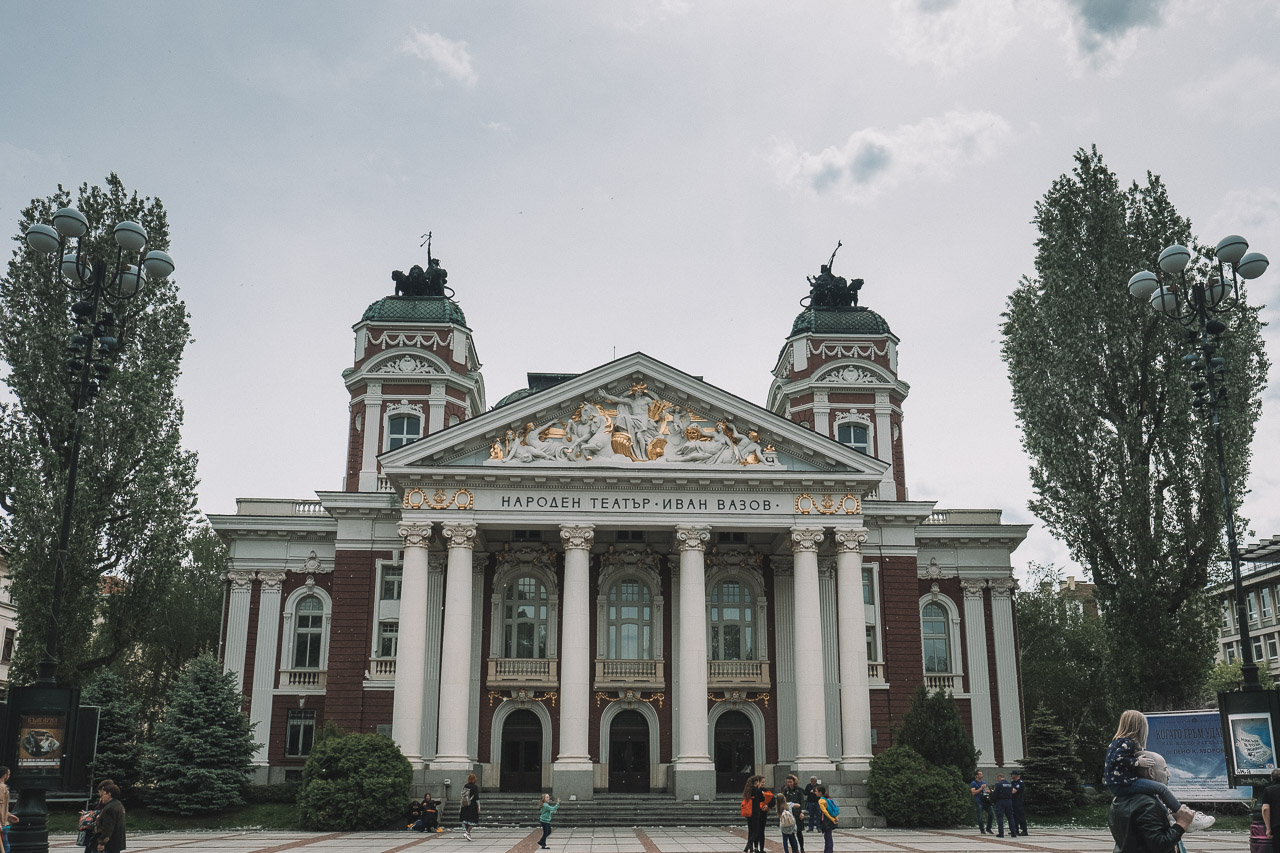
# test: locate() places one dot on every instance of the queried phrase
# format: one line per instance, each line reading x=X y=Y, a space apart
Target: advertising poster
x=1253 y=744
x=40 y=741
x=1191 y=743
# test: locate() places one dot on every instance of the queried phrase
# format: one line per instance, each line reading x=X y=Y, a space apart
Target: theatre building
x=626 y=579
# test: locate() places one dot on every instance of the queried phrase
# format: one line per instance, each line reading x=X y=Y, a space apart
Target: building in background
x=626 y=579
x=8 y=622
x=1260 y=576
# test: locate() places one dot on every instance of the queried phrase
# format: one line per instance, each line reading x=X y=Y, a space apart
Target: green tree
x=933 y=728
x=119 y=753
x=1050 y=765
x=355 y=781
x=1226 y=677
x=906 y=790
x=136 y=485
x=199 y=759
x=1064 y=666
x=1121 y=466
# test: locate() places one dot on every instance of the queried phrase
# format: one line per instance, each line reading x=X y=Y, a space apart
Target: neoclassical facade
x=626 y=579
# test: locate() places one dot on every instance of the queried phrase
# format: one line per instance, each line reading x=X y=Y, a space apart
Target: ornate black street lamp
x=42 y=718
x=1198 y=305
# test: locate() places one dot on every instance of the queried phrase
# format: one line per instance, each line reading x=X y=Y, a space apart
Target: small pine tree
x=1050 y=768
x=200 y=758
x=119 y=754
x=933 y=728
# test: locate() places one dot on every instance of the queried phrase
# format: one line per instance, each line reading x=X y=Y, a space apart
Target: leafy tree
x=906 y=790
x=1065 y=661
x=136 y=485
x=355 y=781
x=1121 y=466
x=933 y=728
x=1050 y=765
x=1225 y=677
x=119 y=752
x=200 y=757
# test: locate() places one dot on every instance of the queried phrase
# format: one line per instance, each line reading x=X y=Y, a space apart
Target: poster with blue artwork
x=1191 y=743
x=1253 y=743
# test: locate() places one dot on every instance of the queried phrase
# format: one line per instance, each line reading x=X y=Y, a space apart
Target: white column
x=975 y=638
x=372 y=429
x=455 y=650
x=694 y=771
x=822 y=414
x=1006 y=669
x=264 y=660
x=411 y=649
x=238 y=625
x=435 y=408
x=572 y=769
x=884 y=446
x=855 y=691
x=435 y=622
x=811 y=706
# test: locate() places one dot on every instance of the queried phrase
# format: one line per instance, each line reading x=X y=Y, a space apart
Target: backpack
x=786 y=820
x=833 y=808
x=466 y=797
x=768 y=799
x=746 y=807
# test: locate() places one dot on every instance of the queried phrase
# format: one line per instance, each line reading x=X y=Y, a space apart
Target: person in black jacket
x=1140 y=822
x=109 y=829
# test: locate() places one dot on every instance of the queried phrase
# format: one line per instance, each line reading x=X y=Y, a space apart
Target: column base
x=855 y=763
x=573 y=779
x=812 y=766
x=690 y=780
x=453 y=764
x=434 y=780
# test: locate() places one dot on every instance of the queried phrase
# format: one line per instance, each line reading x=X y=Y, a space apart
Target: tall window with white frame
x=392 y=577
x=856 y=435
x=937 y=644
x=402 y=429
x=388 y=638
x=732 y=634
x=630 y=621
x=300 y=733
x=308 y=634
x=525 y=619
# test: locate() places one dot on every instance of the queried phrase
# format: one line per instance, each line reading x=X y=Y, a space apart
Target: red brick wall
x=903 y=655
x=351 y=636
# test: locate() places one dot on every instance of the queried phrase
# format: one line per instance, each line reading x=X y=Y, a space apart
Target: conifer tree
x=119 y=754
x=1050 y=768
x=200 y=757
x=933 y=728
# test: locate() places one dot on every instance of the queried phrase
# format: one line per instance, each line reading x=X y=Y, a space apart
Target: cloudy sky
x=621 y=176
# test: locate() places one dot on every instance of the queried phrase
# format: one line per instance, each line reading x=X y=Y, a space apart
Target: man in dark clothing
x=1140 y=824
x=109 y=830
x=811 y=802
x=1002 y=793
x=981 y=802
x=1019 y=801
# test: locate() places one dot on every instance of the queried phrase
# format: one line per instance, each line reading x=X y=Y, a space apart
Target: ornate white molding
x=459 y=534
x=972 y=588
x=622 y=559
x=830 y=349
x=407 y=364
x=826 y=567
x=782 y=564
x=746 y=559
x=312 y=566
x=849 y=539
x=693 y=537
x=577 y=537
x=271 y=580
x=241 y=580
x=525 y=555
x=1002 y=587
x=852 y=376
x=415 y=534
x=806 y=538
x=399 y=339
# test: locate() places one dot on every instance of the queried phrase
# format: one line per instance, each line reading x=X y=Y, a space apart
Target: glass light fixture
x=1143 y=284
x=1174 y=259
x=130 y=280
x=130 y=236
x=158 y=264
x=1165 y=300
x=1231 y=249
x=1215 y=290
x=43 y=238
x=1252 y=265
x=70 y=222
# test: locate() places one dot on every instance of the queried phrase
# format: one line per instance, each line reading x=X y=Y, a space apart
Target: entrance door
x=629 y=753
x=521 y=753
x=734 y=752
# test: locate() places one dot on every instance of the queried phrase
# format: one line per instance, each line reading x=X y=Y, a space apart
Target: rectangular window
x=1257 y=649
x=855 y=435
x=1266 y=602
x=10 y=636
x=935 y=656
x=300 y=733
x=1226 y=613
x=392 y=577
x=871 y=644
x=388 y=638
x=1253 y=607
x=731 y=537
x=628 y=536
x=1231 y=653
x=1273 y=647
x=868 y=591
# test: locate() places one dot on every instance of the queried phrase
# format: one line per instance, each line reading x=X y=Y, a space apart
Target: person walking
x=469 y=811
x=109 y=830
x=1266 y=818
x=787 y=823
x=1019 y=801
x=830 y=818
x=544 y=818
x=982 y=802
x=811 y=802
x=794 y=796
x=1002 y=794
x=6 y=817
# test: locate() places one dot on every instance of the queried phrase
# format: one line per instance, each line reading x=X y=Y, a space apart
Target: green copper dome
x=415 y=309
x=839 y=321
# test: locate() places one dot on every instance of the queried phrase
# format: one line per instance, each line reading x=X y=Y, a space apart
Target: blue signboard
x=1191 y=743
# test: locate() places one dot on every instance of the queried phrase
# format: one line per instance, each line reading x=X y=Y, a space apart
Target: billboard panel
x=1191 y=742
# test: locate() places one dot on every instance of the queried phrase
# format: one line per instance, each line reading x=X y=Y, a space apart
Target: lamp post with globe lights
x=42 y=717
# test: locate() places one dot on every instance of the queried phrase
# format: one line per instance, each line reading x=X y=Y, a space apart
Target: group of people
x=794 y=807
x=1001 y=802
x=424 y=814
x=102 y=822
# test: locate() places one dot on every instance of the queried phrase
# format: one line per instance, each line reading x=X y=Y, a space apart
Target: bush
x=1050 y=767
x=357 y=781
x=285 y=792
x=906 y=790
x=933 y=728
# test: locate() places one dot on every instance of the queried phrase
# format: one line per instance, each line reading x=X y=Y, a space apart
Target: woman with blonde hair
x=1120 y=773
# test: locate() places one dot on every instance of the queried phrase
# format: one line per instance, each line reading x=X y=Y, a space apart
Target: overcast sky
x=628 y=176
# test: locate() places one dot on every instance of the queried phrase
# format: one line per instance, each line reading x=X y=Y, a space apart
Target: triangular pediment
x=636 y=414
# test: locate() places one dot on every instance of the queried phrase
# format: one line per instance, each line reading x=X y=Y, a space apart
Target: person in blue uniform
x=1002 y=793
x=1019 y=801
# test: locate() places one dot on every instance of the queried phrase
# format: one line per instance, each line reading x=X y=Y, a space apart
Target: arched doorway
x=734 y=752
x=629 y=753
x=521 y=753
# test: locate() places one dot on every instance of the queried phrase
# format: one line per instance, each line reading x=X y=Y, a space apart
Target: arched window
x=630 y=621
x=525 y=619
x=732 y=634
x=402 y=429
x=308 y=636
x=856 y=435
x=936 y=639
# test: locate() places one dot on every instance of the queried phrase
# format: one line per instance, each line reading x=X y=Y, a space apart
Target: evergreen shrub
x=283 y=793
x=353 y=782
x=906 y=790
x=933 y=728
x=1050 y=767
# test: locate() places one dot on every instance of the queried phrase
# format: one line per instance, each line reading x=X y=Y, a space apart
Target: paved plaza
x=642 y=840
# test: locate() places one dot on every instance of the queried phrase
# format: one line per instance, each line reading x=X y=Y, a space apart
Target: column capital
x=271 y=581
x=972 y=588
x=415 y=534
x=1002 y=587
x=577 y=537
x=806 y=538
x=849 y=539
x=693 y=537
x=459 y=534
x=241 y=581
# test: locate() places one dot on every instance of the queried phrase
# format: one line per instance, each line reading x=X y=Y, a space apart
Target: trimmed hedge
x=283 y=793
x=908 y=791
x=357 y=781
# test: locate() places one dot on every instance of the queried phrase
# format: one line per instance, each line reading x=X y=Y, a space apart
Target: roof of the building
x=537 y=382
x=415 y=309
x=839 y=321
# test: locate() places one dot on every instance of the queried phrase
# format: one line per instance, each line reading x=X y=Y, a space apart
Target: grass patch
x=140 y=819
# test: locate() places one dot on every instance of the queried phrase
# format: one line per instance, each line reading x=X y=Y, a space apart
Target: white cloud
x=874 y=161
x=1253 y=213
x=648 y=12
x=451 y=57
x=498 y=126
x=1248 y=91
x=951 y=34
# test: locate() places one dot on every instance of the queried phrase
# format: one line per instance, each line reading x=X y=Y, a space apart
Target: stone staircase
x=635 y=810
